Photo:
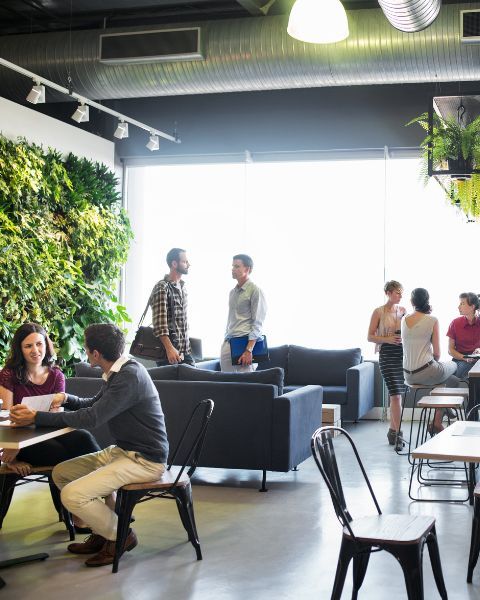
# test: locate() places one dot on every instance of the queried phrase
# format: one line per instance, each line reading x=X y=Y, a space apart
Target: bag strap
x=170 y=304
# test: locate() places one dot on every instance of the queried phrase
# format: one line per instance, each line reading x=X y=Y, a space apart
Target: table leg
x=471 y=483
x=473 y=396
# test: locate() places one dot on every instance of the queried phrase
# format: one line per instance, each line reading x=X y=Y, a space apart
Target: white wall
x=21 y=121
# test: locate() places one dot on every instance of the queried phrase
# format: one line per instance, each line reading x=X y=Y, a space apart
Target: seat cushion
x=307 y=366
x=83 y=369
x=169 y=372
x=270 y=376
x=335 y=394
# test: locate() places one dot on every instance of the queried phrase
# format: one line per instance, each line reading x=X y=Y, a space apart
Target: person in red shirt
x=464 y=334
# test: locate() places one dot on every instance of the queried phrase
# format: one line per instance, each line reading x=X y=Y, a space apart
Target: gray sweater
x=129 y=403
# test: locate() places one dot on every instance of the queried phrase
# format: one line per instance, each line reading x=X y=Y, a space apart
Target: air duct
x=411 y=15
x=253 y=54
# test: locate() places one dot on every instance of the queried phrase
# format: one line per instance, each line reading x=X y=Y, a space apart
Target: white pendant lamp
x=318 y=21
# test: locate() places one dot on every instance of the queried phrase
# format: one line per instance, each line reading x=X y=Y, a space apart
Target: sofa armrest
x=209 y=365
x=296 y=415
x=360 y=391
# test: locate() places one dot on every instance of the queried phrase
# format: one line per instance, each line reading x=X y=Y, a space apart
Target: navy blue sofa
x=344 y=377
x=256 y=424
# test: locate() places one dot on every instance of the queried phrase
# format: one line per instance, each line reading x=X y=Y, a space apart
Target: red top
x=54 y=383
x=465 y=335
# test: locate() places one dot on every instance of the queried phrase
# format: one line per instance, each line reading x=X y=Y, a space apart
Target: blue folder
x=259 y=353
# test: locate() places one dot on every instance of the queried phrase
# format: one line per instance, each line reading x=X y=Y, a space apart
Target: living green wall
x=63 y=239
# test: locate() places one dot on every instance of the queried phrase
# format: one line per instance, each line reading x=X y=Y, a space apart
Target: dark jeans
x=64 y=447
x=187 y=360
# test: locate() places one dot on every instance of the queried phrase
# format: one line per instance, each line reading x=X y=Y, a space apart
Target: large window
x=323 y=235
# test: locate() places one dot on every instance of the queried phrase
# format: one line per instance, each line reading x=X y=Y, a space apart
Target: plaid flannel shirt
x=162 y=320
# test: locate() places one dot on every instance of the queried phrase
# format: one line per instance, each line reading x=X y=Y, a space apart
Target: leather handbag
x=146 y=344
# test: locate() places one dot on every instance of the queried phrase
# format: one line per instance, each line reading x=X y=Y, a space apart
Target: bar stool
x=415 y=388
x=429 y=404
x=475 y=539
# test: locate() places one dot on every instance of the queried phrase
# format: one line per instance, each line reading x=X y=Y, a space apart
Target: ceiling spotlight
x=37 y=94
x=121 y=131
x=153 y=143
x=82 y=114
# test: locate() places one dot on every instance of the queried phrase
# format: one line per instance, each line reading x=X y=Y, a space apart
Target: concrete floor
x=283 y=544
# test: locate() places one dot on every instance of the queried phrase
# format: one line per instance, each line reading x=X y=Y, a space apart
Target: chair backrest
x=323 y=451
x=191 y=441
x=472 y=414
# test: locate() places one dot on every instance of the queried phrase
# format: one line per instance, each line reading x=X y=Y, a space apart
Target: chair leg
x=410 y=558
x=7 y=486
x=183 y=495
x=55 y=494
x=475 y=540
x=360 y=564
x=434 y=552
x=123 y=507
x=347 y=552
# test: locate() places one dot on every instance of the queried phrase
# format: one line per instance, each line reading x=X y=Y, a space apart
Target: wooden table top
x=20 y=437
x=450 y=444
x=475 y=370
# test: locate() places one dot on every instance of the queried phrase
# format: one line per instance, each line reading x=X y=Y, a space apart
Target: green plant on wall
x=63 y=239
x=456 y=147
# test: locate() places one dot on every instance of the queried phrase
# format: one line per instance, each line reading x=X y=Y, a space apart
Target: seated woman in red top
x=30 y=371
x=464 y=334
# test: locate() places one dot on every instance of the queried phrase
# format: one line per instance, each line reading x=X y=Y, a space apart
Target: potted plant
x=454 y=148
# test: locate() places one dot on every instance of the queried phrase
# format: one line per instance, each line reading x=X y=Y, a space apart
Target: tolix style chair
x=403 y=536
x=174 y=483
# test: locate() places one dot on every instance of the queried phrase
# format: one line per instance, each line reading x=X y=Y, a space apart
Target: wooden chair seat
x=390 y=528
x=441 y=402
x=449 y=391
x=7 y=470
x=165 y=481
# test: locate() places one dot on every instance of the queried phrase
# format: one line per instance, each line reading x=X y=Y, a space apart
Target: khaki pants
x=85 y=480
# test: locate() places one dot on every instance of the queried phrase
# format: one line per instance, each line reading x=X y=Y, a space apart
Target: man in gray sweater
x=128 y=402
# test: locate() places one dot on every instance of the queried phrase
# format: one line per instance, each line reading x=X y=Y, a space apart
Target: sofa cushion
x=167 y=372
x=271 y=376
x=278 y=357
x=83 y=369
x=320 y=367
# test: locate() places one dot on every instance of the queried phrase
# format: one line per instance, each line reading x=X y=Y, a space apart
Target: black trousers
x=64 y=447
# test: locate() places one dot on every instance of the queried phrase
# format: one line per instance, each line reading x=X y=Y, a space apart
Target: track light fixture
x=153 y=143
x=37 y=94
x=82 y=114
x=121 y=131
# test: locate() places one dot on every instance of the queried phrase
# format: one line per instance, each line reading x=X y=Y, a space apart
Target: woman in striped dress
x=384 y=331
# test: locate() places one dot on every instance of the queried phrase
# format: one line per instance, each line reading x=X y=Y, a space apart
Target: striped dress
x=391 y=355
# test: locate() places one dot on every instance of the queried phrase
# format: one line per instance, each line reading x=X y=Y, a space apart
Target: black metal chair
x=403 y=536
x=174 y=484
x=9 y=480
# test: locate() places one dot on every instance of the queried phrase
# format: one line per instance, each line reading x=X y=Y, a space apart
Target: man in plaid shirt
x=169 y=311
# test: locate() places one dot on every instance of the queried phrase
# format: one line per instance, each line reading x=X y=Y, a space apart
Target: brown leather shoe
x=93 y=543
x=107 y=553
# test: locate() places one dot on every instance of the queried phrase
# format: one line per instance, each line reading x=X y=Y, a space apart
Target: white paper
x=6 y=423
x=38 y=402
x=468 y=431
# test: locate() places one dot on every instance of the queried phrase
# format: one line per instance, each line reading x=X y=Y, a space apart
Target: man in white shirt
x=247 y=310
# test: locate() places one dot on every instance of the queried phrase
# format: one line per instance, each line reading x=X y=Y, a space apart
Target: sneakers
x=93 y=543
x=107 y=553
x=451 y=414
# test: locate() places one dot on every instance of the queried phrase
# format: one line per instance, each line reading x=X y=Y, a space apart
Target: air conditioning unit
x=470 y=25
x=166 y=45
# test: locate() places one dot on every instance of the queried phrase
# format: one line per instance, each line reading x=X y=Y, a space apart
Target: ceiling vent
x=470 y=25
x=165 y=45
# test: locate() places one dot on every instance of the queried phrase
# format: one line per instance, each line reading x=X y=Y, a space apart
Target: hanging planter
x=451 y=153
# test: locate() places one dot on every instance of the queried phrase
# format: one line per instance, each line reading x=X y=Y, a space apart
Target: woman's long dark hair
x=421 y=300
x=16 y=361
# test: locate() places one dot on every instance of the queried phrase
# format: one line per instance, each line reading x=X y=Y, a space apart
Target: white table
x=454 y=444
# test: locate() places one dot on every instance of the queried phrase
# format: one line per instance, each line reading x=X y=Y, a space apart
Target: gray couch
x=344 y=377
x=256 y=424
